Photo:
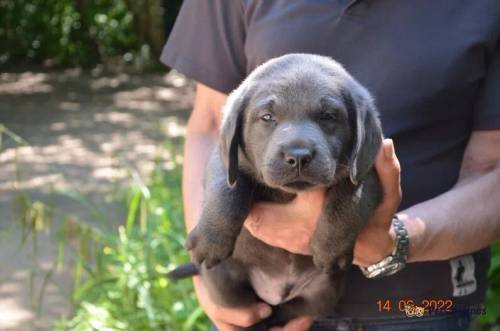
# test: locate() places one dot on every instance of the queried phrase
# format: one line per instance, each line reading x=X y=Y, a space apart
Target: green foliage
x=72 y=32
x=491 y=321
x=124 y=285
x=119 y=274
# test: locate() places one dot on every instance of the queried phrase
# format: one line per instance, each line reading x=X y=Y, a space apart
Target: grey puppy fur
x=296 y=123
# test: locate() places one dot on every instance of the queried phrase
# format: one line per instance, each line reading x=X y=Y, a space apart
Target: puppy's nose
x=298 y=157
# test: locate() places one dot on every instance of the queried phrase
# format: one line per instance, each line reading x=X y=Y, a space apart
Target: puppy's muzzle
x=297 y=157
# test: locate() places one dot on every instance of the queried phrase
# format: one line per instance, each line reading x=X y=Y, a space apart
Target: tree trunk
x=148 y=23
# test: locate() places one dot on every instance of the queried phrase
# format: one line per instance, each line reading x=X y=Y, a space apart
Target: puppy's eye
x=267 y=118
x=327 y=116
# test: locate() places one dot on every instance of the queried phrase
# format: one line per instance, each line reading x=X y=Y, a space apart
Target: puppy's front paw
x=329 y=261
x=208 y=247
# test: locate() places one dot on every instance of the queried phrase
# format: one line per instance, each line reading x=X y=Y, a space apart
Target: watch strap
x=397 y=260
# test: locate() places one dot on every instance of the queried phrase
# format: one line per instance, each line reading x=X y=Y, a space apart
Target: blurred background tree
x=84 y=32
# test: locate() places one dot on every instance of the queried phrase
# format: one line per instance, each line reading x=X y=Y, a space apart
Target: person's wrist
x=387 y=245
x=392 y=242
x=396 y=259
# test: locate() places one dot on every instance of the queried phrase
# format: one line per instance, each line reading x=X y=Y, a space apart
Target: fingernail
x=264 y=311
x=388 y=149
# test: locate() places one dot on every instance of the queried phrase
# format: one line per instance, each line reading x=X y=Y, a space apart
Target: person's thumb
x=388 y=170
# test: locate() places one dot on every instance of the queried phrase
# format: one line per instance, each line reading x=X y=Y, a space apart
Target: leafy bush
x=124 y=286
x=491 y=321
x=82 y=32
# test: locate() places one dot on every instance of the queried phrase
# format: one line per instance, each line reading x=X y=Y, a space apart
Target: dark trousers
x=452 y=322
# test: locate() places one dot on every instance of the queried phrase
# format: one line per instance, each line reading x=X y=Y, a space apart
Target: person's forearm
x=202 y=131
x=197 y=150
x=460 y=221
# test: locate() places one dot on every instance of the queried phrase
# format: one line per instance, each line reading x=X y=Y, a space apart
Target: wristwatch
x=397 y=260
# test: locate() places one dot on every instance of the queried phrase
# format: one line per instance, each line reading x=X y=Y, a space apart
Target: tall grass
x=118 y=274
x=121 y=284
x=33 y=217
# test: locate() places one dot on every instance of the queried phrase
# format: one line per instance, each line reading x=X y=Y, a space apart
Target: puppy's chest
x=279 y=287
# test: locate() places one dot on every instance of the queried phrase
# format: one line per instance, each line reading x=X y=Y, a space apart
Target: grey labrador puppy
x=298 y=122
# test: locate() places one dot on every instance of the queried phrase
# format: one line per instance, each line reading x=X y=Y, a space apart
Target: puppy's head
x=299 y=122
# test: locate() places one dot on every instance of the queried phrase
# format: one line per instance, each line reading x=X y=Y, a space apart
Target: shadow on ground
x=83 y=130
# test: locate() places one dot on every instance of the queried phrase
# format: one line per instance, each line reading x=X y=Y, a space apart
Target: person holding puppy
x=434 y=70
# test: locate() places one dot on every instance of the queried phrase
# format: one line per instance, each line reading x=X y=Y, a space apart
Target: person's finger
x=242 y=317
x=389 y=170
x=302 y=323
x=287 y=226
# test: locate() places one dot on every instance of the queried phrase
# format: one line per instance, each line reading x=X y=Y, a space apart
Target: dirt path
x=81 y=129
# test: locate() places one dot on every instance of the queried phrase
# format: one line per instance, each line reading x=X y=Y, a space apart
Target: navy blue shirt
x=433 y=67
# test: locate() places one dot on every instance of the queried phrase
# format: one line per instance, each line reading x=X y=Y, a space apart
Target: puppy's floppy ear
x=231 y=138
x=366 y=131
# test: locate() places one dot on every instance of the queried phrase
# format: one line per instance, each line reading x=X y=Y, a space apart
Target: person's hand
x=233 y=319
x=230 y=319
x=376 y=240
x=291 y=226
